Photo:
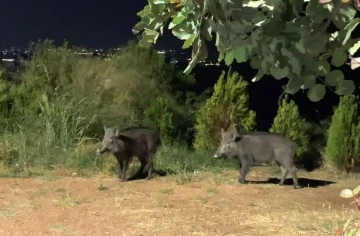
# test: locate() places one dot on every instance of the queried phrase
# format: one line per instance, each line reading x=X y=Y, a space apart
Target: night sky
x=88 y=23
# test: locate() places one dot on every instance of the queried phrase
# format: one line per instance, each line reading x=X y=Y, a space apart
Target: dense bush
x=343 y=142
x=289 y=122
x=54 y=108
x=227 y=108
x=52 y=113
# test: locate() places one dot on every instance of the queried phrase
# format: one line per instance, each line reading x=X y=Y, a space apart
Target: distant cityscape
x=14 y=55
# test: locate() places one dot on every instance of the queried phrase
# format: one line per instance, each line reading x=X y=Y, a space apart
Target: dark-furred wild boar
x=133 y=141
x=252 y=148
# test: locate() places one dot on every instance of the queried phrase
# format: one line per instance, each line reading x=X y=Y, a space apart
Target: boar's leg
x=151 y=166
x=244 y=169
x=285 y=168
x=125 y=163
x=142 y=165
x=292 y=170
x=284 y=173
x=120 y=167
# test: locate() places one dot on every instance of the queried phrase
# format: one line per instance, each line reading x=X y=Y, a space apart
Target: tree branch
x=334 y=12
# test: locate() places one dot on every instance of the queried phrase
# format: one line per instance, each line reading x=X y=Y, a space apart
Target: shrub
x=226 y=108
x=343 y=142
x=159 y=116
x=60 y=100
x=289 y=122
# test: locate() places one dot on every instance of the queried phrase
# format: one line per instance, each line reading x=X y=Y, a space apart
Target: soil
x=197 y=204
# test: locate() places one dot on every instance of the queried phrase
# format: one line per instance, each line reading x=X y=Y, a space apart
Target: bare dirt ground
x=201 y=204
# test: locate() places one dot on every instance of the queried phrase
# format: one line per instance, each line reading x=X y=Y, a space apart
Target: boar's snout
x=218 y=155
x=101 y=150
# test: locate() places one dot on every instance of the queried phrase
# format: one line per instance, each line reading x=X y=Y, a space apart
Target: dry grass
x=209 y=204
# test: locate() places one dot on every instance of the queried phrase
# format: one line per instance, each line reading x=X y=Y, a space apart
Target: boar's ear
x=237 y=138
x=117 y=132
x=104 y=127
x=234 y=130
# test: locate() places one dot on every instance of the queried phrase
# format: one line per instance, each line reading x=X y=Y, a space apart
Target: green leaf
x=241 y=54
x=345 y=87
x=345 y=14
x=266 y=54
x=182 y=33
x=3 y=97
x=275 y=45
x=349 y=28
x=293 y=36
x=258 y=76
x=278 y=73
x=316 y=92
x=188 y=42
x=339 y=57
x=138 y=27
x=317 y=11
x=300 y=45
x=177 y=20
x=334 y=77
x=148 y=37
x=156 y=23
x=144 y=11
x=161 y=1
x=240 y=41
x=274 y=28
x=229 y=57
x=240 y=27
x=354 y=48
x=293 y=61
x=309 y=81
x=294 y=85
x=322 y=68
x=316 y=44
x=156 y=9
x=255 y=63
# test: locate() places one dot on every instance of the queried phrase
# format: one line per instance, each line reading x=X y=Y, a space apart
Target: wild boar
x=252 y=148
x=133 y=141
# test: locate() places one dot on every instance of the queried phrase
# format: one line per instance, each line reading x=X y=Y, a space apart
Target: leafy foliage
x=226 y=108
x=63 y=100
x=343 y=143
x=289 y=122
x=285 y=39
x=159 y=116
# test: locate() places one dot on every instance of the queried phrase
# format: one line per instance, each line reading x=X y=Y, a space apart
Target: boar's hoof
x=98 y=151
x=120 y=179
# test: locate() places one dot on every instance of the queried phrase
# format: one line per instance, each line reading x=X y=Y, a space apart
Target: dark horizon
x=89 y=24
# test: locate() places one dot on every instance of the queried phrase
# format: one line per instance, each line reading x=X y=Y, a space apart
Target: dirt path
x=212 y=205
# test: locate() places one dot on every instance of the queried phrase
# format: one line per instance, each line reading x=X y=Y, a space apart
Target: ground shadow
x=143 y=175
x=303 y=182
